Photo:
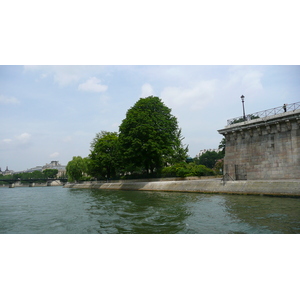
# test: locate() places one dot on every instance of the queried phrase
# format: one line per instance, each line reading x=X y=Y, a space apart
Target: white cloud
x=67 y=139
x=194 y=98
x=92 y=85
x=64 y=75
x=55 y=154
x=24 y=138
x=147 y=90
x=65 y=78
x=8 y=100
x=252 y=81
x=7 y=141
x=245 y=78
x=18 y=140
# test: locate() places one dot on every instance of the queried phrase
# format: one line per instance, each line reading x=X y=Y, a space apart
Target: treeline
x=149 y=144
x=46 y=174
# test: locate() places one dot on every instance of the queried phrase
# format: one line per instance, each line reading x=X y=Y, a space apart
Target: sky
x=69 y=73
x=53 y=112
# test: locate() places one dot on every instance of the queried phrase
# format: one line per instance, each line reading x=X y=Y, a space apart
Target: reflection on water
x=59 y=210
x=279 y=215
x=138 y=212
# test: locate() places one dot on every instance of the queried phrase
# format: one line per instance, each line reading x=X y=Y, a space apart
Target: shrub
x=186 y=169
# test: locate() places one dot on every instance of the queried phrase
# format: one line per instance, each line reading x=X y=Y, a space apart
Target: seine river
x=62 y=210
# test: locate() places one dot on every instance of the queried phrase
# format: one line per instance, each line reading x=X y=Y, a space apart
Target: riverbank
x=216 y=185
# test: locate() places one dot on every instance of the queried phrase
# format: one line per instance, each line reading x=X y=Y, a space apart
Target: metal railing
x=266 y=113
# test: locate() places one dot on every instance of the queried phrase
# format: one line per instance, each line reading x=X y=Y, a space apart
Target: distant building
x=56 y=165
x=53 y=165
x=37 y=168
x=6 y=172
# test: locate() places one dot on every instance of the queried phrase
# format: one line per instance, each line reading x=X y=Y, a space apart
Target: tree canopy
x=50 y=173
x=104 y=155
x=149 y=135
x=43 y=176
x=149 y=143
x=75 y=168
x=209 y=158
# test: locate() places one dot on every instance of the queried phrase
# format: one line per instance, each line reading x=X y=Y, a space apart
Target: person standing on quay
x=284 y=107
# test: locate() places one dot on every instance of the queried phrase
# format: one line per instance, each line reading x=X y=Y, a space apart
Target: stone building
x=56 y=165
x=265 y=147
x=6 y=172
x=52 y=165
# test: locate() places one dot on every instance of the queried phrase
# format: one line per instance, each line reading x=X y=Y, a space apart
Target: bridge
x=32 y=181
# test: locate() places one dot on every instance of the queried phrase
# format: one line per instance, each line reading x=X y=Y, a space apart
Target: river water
x=58 y=210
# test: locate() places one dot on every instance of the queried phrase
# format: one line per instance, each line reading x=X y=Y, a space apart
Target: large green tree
x=75 y=168
x=104 y=155
x=148 y=135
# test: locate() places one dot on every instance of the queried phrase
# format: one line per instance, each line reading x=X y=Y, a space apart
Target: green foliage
x=75 y=168
x=5 y=177
x=180 y=151
x=50 y=173
x=239 y=120
x=148 y=140
x=219 y=166
x=149 y=136
x=86 y=178
x=27 y=176
x=104 y=157
x=248 y=117
x=222 y=145
x=252 y=117
x=209 y=158
x=184 y=169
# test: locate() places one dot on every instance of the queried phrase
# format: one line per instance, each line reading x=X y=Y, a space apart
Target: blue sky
x=86 y=65
x=53 y=112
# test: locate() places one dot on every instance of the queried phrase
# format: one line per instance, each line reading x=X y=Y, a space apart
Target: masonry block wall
x=265 y=148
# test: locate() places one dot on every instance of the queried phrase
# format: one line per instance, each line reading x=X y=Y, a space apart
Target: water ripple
x=59 y=210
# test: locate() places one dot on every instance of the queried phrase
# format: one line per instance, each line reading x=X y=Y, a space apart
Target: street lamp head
x=244 y=116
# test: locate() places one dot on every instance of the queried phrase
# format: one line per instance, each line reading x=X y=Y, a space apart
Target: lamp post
x=242 y=97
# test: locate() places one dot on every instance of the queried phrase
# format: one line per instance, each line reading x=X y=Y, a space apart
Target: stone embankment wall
x=254 y=187
x=265 y=148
